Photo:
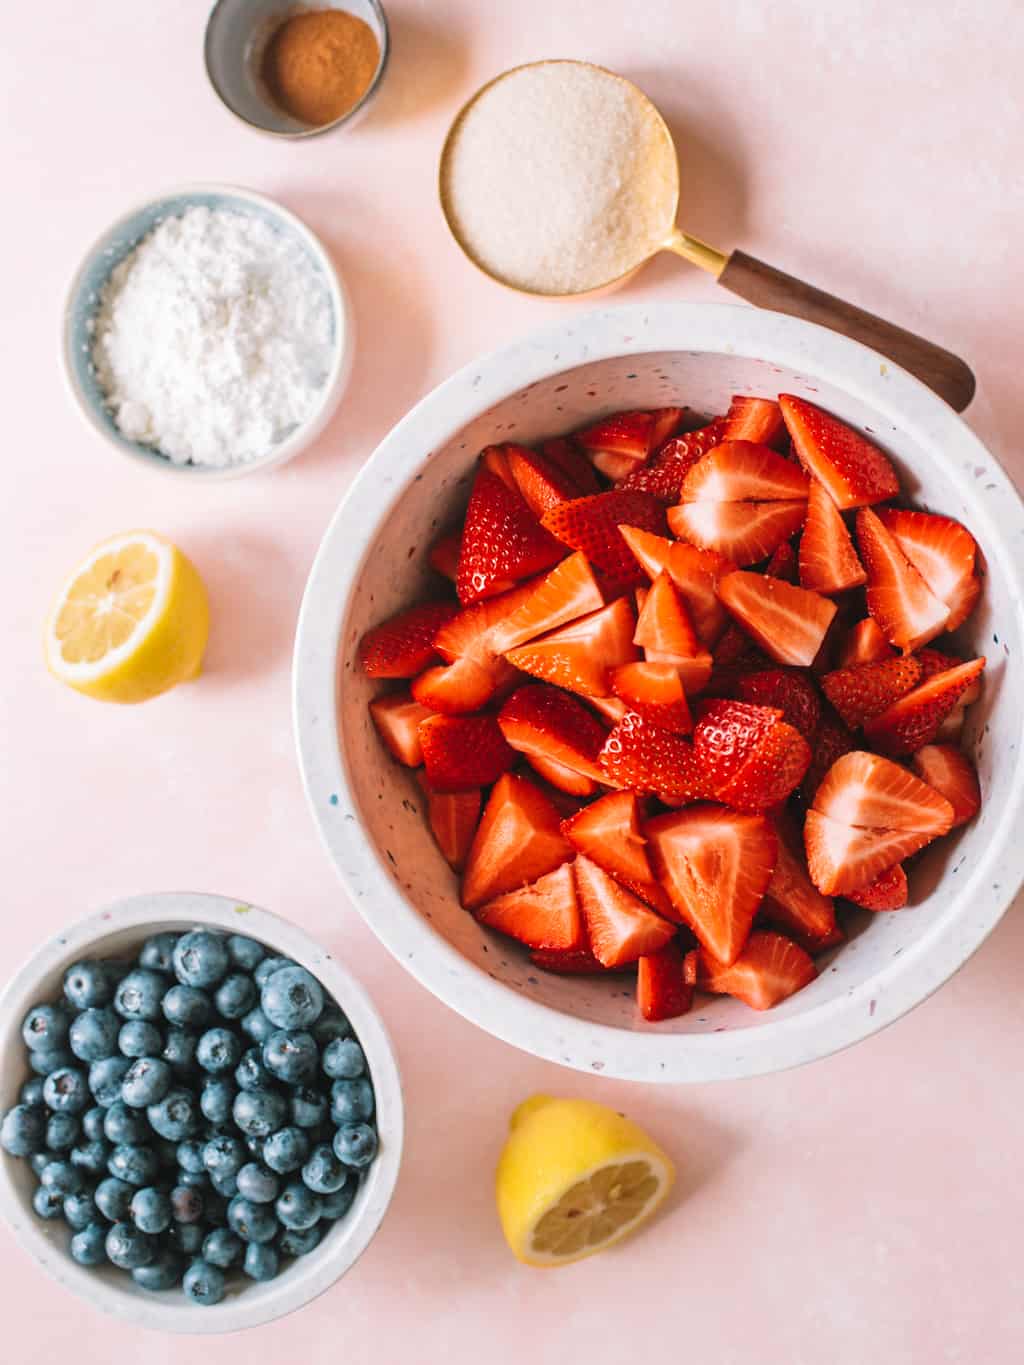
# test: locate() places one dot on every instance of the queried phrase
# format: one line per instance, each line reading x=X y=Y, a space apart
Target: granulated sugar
x=213 y=338
x=560 y=178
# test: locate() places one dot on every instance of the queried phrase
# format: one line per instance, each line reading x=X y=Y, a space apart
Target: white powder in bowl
x=559 y=178
x=213 y=337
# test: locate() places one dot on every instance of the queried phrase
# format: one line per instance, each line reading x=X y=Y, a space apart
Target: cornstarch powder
x=213 y=338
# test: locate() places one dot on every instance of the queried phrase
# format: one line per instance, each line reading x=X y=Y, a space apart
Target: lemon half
x=576 y=1177
x=131 y=622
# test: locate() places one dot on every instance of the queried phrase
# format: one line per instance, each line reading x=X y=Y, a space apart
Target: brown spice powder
x=319 y=63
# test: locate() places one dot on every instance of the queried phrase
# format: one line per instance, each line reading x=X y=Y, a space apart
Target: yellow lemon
x=131 y=621
x=574 y=1177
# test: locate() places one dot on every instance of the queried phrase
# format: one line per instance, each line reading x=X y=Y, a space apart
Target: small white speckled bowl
x=372 y=562
x=117 y=931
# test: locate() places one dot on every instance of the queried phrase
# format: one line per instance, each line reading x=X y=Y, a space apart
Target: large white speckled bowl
x=372 y=562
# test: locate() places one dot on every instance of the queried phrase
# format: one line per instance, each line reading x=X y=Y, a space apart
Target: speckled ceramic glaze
x=372 y=562
x=120 y=930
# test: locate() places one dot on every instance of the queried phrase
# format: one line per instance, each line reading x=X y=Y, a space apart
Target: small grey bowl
x=236 y=35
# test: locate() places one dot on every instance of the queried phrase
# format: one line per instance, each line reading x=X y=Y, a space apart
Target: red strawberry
x=567 y=961
x=889 y=891
x=453 y=818
x=962 y=602
x=444 y=555
x=663 y=473
x=905 y=608
x=943 y=553
x=694 y=572
x=562 y=778
x=914 y=720
x=610 y=708
x=608 y=831
x=580 y=656
x=864 y=644
x=463 y=751
x=871 y=792
x=403 y=645
x=792 y=900
x=618 y=443
x=934 y=661
x=853 y=470
x=542 y=484
x=664 y=624
x=842 y=858
x=744 y=531
x=471 y=633
x=865 y=690
x=770 y=969
x=787 y=622
x=831 y=740
x=458 y=688
x=542 y=720
x=789 y=691
x=565 y=455
x=647 y=758
x=774 y=769
x=620 y=928
x=663 y=990
x=753 y=419
x=398 y=723
x=502 y=541
x=951 y=773
x=654 y=692
x=517 y=841
x=568 y=592
x=545 y=914
x=740 y=471
x=828 y=561
x=715 y=865
x=592 y=525
x=495 y=461
x=727 y=734
x=783 y=563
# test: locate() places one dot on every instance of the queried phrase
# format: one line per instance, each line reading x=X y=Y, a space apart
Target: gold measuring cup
x=741 y=274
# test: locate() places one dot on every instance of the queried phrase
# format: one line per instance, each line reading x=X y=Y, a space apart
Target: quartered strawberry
x=753 y=419
x=471 y=633
x=654 y=692
x=580 y=656
x=907 y=611
x=742 y=471
x=619 y=927
x=828 y=561
x=864 y=643
x=444 y=555
x=934 y=661
x=560 y=778
x=962 y=602
x=953 y=775
x=502 y=541
x=463 y=751
x=889 y=891
x=743 y=531
x=609 y=832
x=664 y=624
x=539 y=720
x=694 y=572
x=853 y=470
x=664 y=986
x=786 y=689
x=727 y=734
x=787 y=622
x=774 y=769
x=517 y=841
x=453 y=818
x=663 y=473
x=943 y=552
x=715 y=865
x=792 y=901
x=567 y=961
x=403 y=645
x=458 y=688
x=646 y=758
x=770 y=968
x=592 y=525
x=568 y=592
x=618 y=443
x=830 y=741
x=914 y=720
x=865 y=690
x=871 y=792
x=565 y=455
x=843 y=858
x=397 y=719
x=542 y=484
x=544 y=914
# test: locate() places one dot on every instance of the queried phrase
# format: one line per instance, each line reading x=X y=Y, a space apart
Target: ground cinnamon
x=319 y=63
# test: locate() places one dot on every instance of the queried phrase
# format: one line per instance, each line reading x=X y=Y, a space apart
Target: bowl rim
x=312 y=1275
x=546 y=1032
x=337 y=376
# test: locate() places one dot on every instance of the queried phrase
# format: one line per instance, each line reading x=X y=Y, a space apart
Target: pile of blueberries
x=200 y=1109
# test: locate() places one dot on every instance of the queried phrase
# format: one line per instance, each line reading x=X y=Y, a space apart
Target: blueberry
x=146 y=1082
x=323 y=1172
x=92 y=1123
x=31 y=1093
x=224 y=1155
x=259 y=1113
x=48 y=1203
x=62 y=1132
x=61 y=1177
x=308 y=1107
x=261 y=1262
x=351 y=1101
x=187 y=1007
x=89 y=1244
x=236 y=995
x=180 y=1051
x=150 y=1210
x=176 y=1116
x=226 y=1185
x=268 y=967
x=134 y=1163
x=157 y=953
x=257 y=1184
x=23 y=1130
x=355 y=1144
x=257 y=1026
x=128 y=1247
x=45 y=1028
x=186 y=1238
x=203 y=1283
x=38 y=1161
x=200 y=958
x=300 y=1241
x=190 y=1156
x=106 y=1078
x=222 y=1247
x=252 y=1222
x=344 y=1060
x=80 y=1210
x=331 y=1025
x=245 y=953
x=291 y=998
x=163 y=1272
x=286 y=1150
x=139 y=1038
x=216 y=1098
x=218 y=1051
x=91 y=1157
x=88 y=985
x=44 y=1060
x=291 y=1057
x=124 y=1125
x=138 y=996
x=113 y=1198
x=93 y=1034
x=66 y=1090
x=195 y=1180
x=251 y=1074
x=297 y=1206
x=186 y=1204
x=336 y=1205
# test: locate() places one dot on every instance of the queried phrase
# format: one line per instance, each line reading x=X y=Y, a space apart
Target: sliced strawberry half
x=753 y=419
x=517 y=841
x=694 y=572
x=831 y=740
x=580 y=656
x=914 y=720
x=502 y=541
x=565 y=455
x=592 y=526
x=403 y=645
x=664 y=472
x=907 y=611
x=560 y=777
x=842 y=858
x=742 y=471
x=664 y=988
x=787 y=622
x=655 y=692
x=828 y=561
x=444 y=555
x=567 y=961
x=953 y=775
x=453 y=818
x=664 y=623
x=542 y=484
x=463 y=751
x=648 y=759
x=609 y=832
x=870 y=791
x=618 y=443
x=715 y=865
x=864 y=643
x=544 y=914
x=792 y=900
x=889 y=891
x=788 y=691
x=943 y=552
x=620 y=928
x=852 y=468
x=544 y=721
x=743 y=531
x=568 y=592
x=398 y=720
x=865 y=690
x=770 y=968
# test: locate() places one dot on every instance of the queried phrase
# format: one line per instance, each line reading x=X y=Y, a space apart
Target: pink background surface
x=862 y=1209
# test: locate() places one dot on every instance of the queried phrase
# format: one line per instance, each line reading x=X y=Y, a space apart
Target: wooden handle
x=767 y=287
